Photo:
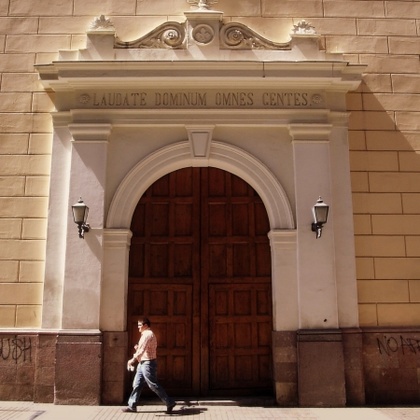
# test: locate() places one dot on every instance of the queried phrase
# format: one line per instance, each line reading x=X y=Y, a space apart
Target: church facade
x=201 y=139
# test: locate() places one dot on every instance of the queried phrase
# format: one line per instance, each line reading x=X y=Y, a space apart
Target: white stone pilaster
x=115 y=279
x=284 y=280
x=84 y=257
x=57 y=229
x=316 y=257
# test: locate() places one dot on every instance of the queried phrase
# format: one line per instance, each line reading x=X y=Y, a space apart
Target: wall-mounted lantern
x=320 y=214
x=80 y=215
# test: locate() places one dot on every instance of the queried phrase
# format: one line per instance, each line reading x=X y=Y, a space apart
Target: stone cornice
x=327 y=75
x=202 y=52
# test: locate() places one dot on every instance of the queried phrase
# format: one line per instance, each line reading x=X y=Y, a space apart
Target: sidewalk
x=198 y=410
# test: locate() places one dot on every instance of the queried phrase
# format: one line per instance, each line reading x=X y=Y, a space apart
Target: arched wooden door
x=200 y=268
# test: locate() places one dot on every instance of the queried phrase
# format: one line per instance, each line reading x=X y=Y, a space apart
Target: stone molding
x=319 y=76
x=283 y=239
x=223 y=156
x=117 y=238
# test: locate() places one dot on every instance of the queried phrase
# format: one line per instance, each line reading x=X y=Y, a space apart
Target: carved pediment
x=203 y=35
x=174 y=35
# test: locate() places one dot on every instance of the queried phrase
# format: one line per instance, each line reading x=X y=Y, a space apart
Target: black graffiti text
x=389 y=345
x=16 y=349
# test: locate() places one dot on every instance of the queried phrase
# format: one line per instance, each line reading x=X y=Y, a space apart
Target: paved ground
x=197 y=410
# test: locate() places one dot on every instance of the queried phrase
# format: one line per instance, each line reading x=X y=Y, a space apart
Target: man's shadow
x=185 y=410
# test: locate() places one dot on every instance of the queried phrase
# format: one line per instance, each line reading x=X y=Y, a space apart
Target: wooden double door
x=200 y=269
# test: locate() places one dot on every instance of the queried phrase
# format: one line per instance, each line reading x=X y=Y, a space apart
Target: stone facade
x=376 y=358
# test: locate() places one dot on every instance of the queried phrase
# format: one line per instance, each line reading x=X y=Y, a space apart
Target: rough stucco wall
x=384 y=132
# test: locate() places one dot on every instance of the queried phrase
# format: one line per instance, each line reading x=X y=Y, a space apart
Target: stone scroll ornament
x=170 y=35
x=240 y=37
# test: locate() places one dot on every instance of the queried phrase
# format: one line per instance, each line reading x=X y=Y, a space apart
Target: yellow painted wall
x=384 y=132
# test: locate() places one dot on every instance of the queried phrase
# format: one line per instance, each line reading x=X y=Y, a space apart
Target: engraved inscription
x=180 y=99
x=285 y=99
x=202 y=99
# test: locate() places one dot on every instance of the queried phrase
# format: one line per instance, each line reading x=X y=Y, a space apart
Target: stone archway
x=117 y=234
x=222 y=156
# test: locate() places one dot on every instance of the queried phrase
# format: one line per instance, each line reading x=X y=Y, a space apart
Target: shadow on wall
x=385 y=170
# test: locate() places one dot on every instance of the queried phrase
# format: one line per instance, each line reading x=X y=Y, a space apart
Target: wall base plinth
x=321 y=368
x=318 y=368
x=78 y=370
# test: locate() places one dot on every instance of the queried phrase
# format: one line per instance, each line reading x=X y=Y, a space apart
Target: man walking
x=146 y=373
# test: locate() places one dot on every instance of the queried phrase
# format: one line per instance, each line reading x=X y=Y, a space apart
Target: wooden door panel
x=170 y=309
x=237 y=253
x=240 y=219
x=184 y=213
x=174 y=353
x=200 y=269
x=165 y=242
x=242 y=303
x=240 y=331
x=217 y=220
x=241 y=260
x=164 y=266
x=160 y=219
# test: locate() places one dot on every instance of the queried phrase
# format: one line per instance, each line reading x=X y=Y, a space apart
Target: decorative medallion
x=84 y=99
x=203 y=34
x=317 y=99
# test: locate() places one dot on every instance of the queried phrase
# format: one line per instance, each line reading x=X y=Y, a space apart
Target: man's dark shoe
x=128 y=410
x=170 y=408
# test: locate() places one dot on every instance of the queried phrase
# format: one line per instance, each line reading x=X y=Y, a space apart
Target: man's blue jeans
x=147 y=374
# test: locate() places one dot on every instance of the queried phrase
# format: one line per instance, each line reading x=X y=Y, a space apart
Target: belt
x=143 y=361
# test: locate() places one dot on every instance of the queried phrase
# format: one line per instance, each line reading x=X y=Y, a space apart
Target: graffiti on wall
x=16 y=349
x=388 y=345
